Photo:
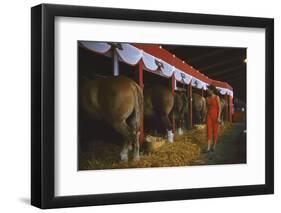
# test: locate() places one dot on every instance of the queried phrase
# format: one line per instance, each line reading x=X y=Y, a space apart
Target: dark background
x=218 y=63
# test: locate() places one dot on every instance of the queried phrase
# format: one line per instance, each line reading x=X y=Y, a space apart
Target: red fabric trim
x=165 y=55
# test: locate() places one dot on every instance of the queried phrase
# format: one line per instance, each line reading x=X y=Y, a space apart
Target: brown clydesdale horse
x=199 y=108
x=158 y=103
x=119 y=102
x=180 y=109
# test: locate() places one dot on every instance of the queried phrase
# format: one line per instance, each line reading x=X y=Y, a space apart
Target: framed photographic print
x=139 y=106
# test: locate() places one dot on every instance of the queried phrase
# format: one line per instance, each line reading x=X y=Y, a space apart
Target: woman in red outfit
x=212 y=117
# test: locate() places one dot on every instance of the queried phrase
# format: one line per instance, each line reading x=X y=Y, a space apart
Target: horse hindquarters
x=123 y=129
x=129 y=128
x=135 y=120
x=115 y=100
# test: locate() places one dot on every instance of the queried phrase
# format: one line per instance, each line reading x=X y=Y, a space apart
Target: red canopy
x=159 y=52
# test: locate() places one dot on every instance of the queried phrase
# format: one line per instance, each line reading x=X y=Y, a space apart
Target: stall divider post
x=230 y=108
x=140 y=81
x=173 y=93
x=189 y=93
x=226 y=113
x=115 y=63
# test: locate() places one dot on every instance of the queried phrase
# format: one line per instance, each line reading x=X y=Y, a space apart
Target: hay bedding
x=186 y=150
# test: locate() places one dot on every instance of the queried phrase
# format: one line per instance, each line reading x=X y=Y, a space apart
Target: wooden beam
x=220 y=72
x=202 y=56
x=237 y=78
x=230 y=79
x=211 y=66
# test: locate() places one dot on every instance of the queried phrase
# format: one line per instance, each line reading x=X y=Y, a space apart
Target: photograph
x=146 y=105
x=142 y=105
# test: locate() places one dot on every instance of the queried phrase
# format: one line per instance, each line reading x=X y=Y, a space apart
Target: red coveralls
x=212 y=118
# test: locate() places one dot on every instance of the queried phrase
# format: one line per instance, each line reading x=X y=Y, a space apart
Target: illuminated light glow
x=174 y=55
x=245 y=60
x=160 y=47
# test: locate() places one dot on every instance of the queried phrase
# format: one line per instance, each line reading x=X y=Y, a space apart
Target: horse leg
x=123 y=129
x=167 y=123
x=134 y=136
x=136 y=156
x=197 y=117
x=200 y=117
x=134 y=122
x=181 y=119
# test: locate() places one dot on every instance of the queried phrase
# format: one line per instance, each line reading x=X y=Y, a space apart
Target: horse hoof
x=124 y=158
x=130 y=147
x=136 y=158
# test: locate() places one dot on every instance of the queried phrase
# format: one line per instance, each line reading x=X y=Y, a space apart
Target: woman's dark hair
x=213 y=88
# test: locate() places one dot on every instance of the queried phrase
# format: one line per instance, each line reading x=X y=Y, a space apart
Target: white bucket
x=170 y=136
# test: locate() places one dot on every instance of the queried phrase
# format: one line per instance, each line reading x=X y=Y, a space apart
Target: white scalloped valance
x=224 y=91
x=132 y=56
x=167 y=69
x=149 y=61
x=129 y=54
x=198 y=83
x=99 y=47
x=182 y=76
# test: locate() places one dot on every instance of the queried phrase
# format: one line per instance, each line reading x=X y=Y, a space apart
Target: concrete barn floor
x=231 y=148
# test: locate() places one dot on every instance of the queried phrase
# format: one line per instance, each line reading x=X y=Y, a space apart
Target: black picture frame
x=43 y=117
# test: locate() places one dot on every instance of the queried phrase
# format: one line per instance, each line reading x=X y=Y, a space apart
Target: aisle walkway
x=231 y=148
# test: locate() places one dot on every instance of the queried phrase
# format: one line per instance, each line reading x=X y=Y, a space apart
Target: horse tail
x=137 y=117
x=138 y=110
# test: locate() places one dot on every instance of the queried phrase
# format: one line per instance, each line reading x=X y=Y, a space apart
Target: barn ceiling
x=218 y=63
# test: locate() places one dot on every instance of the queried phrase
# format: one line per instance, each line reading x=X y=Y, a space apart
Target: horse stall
x=152 y=124
x=91 y=66
x=184 y=120
x=98 y=135
x=198 y=111
x=159 y=75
